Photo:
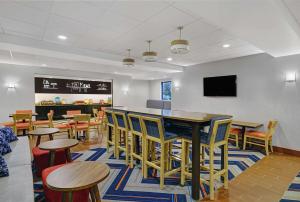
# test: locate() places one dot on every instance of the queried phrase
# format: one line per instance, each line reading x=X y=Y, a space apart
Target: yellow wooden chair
x=261 y=138
x=82 y=124
x=234 y=134
x=155 y=133
x=44 y=123
x=122 y=135
x=136 y=136
x=110 y=123
x=216 y=137
x=63 y=127
x=22 y=122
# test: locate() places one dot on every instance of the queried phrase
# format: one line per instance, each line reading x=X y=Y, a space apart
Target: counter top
x=37 y=105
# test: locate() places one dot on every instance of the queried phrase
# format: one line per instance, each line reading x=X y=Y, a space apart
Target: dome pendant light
x=180 y=46
x=149 y=56
x=128 y=61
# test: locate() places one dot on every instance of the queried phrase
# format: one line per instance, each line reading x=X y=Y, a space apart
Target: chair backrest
x=50 y=118
x=219 y=130
x=73 y=112
x=100 y=115
x=135 y=123
x=271 y=127
x=21 y=117
x=121 y=120
x=23 y=111
x=109 y=117
x=95 y=112
x=153 y=126
x=80 y=118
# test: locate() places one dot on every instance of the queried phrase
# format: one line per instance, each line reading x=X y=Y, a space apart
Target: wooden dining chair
x=97 y=122
x=27 y=111
x=44 y=123
x=216 y=137
x=22 y=122
x=82 y=124
x=63 y=127
x=121 y=135
x=234 y=134
x=137 y=137
x=155 y=134
x=261 y=138
x=110 y=122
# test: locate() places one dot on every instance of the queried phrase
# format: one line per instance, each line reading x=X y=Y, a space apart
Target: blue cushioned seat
x=204 y=137
x=3 y=167
x=4 y=146
x=8 y=134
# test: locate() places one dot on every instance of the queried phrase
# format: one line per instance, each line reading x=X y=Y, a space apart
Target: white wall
x=23 y=97
x=262 y=93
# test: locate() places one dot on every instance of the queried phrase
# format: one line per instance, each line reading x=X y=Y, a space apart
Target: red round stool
x=54 y=196
x=41 y=159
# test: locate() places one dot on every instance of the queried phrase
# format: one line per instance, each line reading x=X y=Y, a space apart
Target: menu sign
x=69 y=86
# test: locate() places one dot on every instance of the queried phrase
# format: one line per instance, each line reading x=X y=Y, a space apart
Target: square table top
x=173 y=114
x=246 y=124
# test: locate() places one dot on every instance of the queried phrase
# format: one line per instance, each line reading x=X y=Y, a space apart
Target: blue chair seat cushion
x=204 y=137
x=170 y=135
x=4 y=146
x=3 y=167
x=176 y=131
x=8 y=134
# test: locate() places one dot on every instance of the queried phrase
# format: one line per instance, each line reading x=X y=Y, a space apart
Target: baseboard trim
x=286 y=151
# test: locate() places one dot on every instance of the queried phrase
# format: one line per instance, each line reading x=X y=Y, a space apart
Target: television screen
x=220 y=86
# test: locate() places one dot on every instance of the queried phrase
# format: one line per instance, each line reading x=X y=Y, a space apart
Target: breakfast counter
x=61 y=109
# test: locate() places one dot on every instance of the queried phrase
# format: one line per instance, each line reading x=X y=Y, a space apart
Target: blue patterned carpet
x=293 y=192
x=125 y=184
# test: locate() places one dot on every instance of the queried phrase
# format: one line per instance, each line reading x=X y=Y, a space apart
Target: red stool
x=54 y=196
x=41 y=159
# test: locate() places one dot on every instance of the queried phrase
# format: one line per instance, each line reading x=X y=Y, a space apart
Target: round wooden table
x=54 y=145
x=43 y=131
x=77 y=176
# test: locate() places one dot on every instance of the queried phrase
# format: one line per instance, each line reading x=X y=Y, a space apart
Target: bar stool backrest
x=153 y=126
x=219 y=130
x=135 y=123
x=121 y=120
x=109 y=117
x=73 y=112
x=271 y=127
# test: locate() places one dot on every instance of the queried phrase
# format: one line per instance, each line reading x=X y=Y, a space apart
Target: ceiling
x=99 y=32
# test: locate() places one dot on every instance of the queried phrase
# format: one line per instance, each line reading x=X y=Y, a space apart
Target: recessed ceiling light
x=62 y=37
x=169 y=59
x=44 y=65
x=226 y=45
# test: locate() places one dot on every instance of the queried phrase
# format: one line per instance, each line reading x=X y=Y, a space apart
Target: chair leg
x=183 y=161
x=146 y=150
x=132 y=149
x=162 y=166
x=271 y=145
x=107 y=139
x=237 y=141
x=267 y=147
x=126 y=148
x=226 y=166
x=244 y=143
x=117 y=143
x=211 y=174
x=202 y=155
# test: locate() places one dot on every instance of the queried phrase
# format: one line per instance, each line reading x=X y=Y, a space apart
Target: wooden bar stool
x=155 y=133
x=111 y=136
x=216 y=137
x=122 y=135
x=137 y=139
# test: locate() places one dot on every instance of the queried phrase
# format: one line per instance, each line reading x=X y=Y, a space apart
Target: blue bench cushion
x=4 y=146
x=3 y=167
x=8 y=134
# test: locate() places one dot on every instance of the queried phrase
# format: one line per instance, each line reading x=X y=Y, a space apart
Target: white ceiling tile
x=11 y=10
x=81 y=11
x=138 y=10
x=20 y=28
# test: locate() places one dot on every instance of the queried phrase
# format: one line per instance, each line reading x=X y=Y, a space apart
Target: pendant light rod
x=180 y=29
x=149 y=45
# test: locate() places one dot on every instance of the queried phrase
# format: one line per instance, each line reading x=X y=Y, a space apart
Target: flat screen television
x=224 y=86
